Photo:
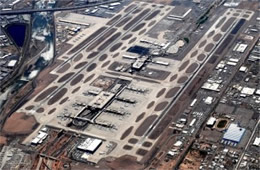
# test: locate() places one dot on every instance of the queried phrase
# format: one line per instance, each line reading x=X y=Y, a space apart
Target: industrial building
x=90 y=145
x=211 y=121
x=233 y=135
x=256 y=141
x=39 y=138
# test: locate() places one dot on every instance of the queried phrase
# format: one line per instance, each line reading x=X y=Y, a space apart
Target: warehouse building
x=211 y=121
x=233 y=135
x=90 y=145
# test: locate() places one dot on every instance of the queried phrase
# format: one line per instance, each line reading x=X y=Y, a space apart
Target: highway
x=30 y=11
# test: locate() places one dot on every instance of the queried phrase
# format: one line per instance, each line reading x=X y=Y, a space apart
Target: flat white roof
x=211 y=121
x=241 y=48
x=12 y=63
x=178 y=143
x=171 y=153
x=160 y=62
x=231 y=63
x=192 y=122
x=90 y=144
x=220 y=65
x=211 y=86
x=179 y=125
x=35 y=140
x=243 y=69
x=234 y=60
x=129 y=57
x=42 y=135
x=257 y=92
x=84 y=156
x=193 y=102
x=257 y=141
x=248 y=90
x=234 y=133
x=39 y=138
x=209 y=100
x=138 y=63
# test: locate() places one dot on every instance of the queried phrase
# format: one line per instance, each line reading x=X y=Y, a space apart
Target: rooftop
x=234 y=133
x=101 y=99
x=90 y=144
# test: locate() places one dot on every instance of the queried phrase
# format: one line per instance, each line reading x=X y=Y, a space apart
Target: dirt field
x=127 y=36
x=160 y=93
x=136 y=19
x=66 y=77
x=125 y=163
x=150 y=104
x=115 y=47
x=221 y=22
x=217 y=37
x=103 y=57
x=202 y=43
x=45 y=78
x=184 y=65
x=124 y=21
x=78 y=57
x=77 y=79
x=227 y=24
x=91 y=67
x=209 y=47
x=182 y=79
x=250 y=6
x=192 y=68
x=92 y=55
x=192 y=161
x=140 y=117
x=109 y=41
x=172 y=92
x=19 y=124
x=57 y=96
x=113 y=20
x=89 y=78
x=173 y=77
x=126 y=133
x=101 y=39
x=201 y=57
x=154 y=14
x=138 y=27
x=161 y=106
x=90 y=38
x=193 y=54
x=145 y=125
x=80 y=65
x=45 y=93
x=64 y=68
x=3 y=140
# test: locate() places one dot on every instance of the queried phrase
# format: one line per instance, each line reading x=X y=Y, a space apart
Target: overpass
x=30 y=11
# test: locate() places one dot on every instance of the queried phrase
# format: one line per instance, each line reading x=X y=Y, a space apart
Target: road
x=183 y=89
x=94 y=59
x=248 y=143
x=30 y=11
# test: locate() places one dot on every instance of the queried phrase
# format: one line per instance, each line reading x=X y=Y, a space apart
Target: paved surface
x=97 y=55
